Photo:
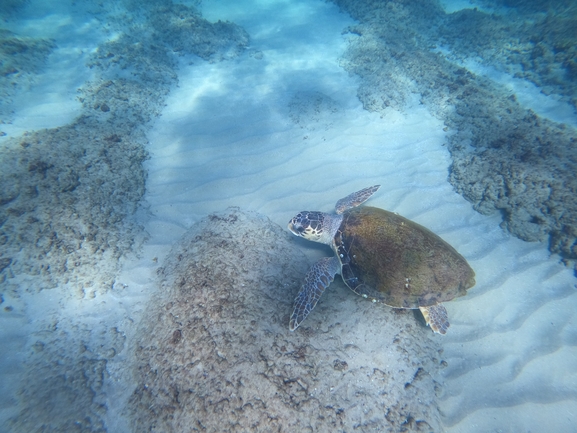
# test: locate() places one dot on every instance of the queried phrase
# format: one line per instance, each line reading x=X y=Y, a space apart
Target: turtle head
x=309 y=225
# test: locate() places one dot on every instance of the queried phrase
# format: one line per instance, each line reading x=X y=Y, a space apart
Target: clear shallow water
x=274 y=128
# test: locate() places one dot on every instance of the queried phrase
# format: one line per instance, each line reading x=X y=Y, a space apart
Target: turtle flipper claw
x=355 y=199
x=318 y=278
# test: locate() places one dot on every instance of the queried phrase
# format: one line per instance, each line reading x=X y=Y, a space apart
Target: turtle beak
x=295 y=225
x=292 y=228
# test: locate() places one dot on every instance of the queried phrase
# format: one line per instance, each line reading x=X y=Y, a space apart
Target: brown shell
x=393 y=260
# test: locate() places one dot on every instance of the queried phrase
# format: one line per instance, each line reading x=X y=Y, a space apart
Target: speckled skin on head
x=383 y=257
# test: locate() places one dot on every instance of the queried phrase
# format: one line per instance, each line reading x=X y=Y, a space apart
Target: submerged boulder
x=214 y=352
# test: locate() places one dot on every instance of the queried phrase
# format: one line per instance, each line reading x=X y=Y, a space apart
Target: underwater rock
x=185 y=31
x=63 y=388
x=21 y=59
x=67 y=212
x=214 y=351
x=534 y=40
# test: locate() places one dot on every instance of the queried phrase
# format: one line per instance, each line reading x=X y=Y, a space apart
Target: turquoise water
x=125 y=124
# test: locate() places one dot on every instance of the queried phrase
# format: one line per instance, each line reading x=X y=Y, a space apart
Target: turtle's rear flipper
x=318 y=278
x=436 y=317
x=355 y=199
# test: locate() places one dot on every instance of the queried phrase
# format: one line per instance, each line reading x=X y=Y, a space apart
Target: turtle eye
x=300 y=229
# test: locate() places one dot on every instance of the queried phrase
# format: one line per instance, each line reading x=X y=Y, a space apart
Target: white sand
x=226 y=139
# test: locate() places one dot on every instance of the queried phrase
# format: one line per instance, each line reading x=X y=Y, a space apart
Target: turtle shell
x=393 y=260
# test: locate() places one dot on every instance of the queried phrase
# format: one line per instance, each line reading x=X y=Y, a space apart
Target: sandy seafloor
x=279 y=129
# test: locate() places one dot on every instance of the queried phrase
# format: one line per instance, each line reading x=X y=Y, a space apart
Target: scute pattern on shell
x=393 y=260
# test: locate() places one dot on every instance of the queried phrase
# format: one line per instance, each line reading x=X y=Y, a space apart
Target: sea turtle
x=381 y=256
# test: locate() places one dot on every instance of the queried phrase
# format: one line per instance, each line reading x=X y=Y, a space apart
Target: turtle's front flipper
x=318 y=278
x=355 y=199
x=436 y=317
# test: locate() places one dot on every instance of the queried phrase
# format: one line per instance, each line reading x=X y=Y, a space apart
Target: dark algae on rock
x=506 y=158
